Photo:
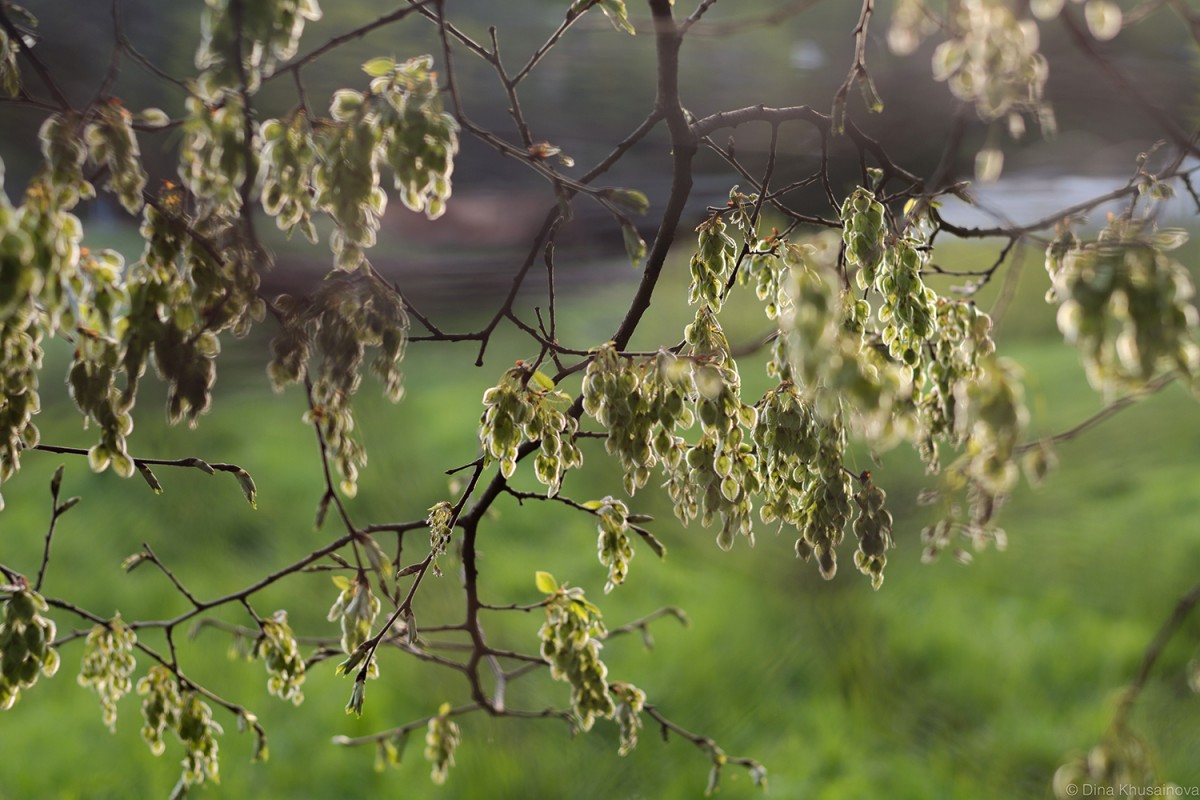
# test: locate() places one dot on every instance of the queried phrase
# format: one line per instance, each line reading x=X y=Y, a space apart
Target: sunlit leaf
x=546 y=583
x=616 y=13
x=378 y=67
x=635 y=245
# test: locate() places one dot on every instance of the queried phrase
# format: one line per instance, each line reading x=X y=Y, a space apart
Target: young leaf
x=615 y=11
x=348 y=666
x=355 y=706
x=546 y=583
x=635 y=246
x=542 y=380
x=378 y=67
x=379 y=561
x=248 y=488
x=629 y=199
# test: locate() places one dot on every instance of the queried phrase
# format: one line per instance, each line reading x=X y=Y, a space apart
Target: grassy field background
x=953 y=681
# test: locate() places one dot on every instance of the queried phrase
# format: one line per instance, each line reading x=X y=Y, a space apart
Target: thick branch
x=684 y=144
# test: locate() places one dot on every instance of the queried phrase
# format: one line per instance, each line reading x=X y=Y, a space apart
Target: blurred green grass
x=952 y=681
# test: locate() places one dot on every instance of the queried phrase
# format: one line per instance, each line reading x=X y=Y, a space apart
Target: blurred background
x=953 y=681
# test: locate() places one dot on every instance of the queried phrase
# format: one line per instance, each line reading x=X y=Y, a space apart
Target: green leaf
x=357 y=696
x=410 y=626
x=378 y=67
x=356 y=658
x=545 y=582
x=542 y=380
x=635 y=246
x=341 y=582
x=629 y=199
x=615 y=11
x=377 y=558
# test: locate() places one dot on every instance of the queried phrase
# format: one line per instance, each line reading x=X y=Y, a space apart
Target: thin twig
x=17 y=40
x=1153 y=651
x=300 y=62
x=149 y=555
x=1151 y=387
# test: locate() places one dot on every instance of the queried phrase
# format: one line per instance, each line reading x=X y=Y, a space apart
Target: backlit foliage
x=865 y=349
x=108 y=665
x=26 y=644
x=285 y=666
x=572 y=637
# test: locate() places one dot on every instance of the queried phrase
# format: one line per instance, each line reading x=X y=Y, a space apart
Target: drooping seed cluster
x=571 y=640
x=441 y=740
x=108 y=665
x=280 y=654
x=165 y=706
x=1125 y=303
x=525 y=407
x=26 y=639
x=355 y=611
